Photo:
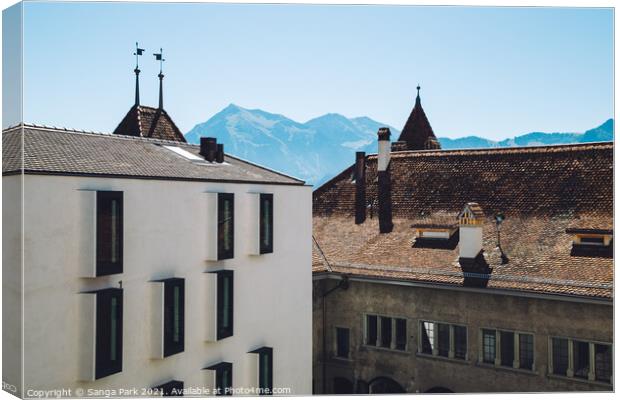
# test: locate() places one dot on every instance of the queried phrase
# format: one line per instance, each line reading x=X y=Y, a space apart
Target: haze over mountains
x=320 y=148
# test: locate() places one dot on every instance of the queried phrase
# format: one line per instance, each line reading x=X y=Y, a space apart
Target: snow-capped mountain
x=320 y=148
x=313 y=151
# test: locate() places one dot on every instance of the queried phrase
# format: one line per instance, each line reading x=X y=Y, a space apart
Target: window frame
x=265 y=249
x=219 y=370
x=170 y=319
x=337 y=353
x=516 y=349
x=424 y=351
x=379 y=343
x=104 y=366
x=103 y=267
x=165 y=389
x=222 y=252
x=223 y=332
x=262 y=353
x=570 y=368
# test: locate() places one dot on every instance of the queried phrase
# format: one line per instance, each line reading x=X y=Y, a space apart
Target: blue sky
x=492 y=72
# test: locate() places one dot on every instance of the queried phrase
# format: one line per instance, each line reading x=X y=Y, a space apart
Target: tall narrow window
x=225 y=295
x=109 y=332
x=171 y=388
x=526 y=351
x=342 y=342
x=109 y=233
x=507 y=348
x=225 y=226
x=174 y=316
x=401 y=334
x=266 y=223
x=428 y=337
x=581 y=359
x=386 y=332
x=460 y=342
x=265 y=370
x=602 y=359
x=443 y=340
x=223 y=378
x=371 y=330
x=560 y=355
x=488 y=346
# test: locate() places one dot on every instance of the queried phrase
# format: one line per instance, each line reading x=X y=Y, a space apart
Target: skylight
x=184 y=153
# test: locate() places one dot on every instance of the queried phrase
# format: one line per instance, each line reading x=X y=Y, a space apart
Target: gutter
x=516 y=293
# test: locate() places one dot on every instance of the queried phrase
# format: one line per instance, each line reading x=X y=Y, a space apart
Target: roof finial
x=138 y=52
x=418 y=90
x=160 y=57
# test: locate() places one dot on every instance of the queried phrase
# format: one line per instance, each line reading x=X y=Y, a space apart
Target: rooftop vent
x=211 y=150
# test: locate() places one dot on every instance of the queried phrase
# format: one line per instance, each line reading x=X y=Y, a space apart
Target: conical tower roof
x=418 y=133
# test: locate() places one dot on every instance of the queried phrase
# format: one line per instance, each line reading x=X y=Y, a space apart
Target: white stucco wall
x=12 y=283
x=165 y=234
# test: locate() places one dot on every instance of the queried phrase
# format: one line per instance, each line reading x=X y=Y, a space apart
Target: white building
x=132 y=262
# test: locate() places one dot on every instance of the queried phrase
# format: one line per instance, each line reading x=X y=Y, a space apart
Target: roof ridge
x=500 y=150
x=97 y=133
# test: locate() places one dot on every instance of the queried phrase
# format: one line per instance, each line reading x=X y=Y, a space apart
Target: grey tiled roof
x=67 y=152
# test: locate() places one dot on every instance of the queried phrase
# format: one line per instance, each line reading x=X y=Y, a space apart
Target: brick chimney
x=360 y=187
x=385 y=187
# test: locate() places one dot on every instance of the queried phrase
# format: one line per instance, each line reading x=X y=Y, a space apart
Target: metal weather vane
x=160 y=57
x=138 y=52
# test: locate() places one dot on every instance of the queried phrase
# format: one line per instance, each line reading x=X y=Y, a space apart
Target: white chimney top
x=384 y=149
x=471 y=220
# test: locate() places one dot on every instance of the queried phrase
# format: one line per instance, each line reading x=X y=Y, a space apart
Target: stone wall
x=420 y=373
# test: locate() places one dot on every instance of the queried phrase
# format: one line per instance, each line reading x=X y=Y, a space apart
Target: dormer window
x=436 y=234
x=591 y=242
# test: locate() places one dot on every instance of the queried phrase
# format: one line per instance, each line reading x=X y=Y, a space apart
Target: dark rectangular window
x=507 y=348
x=109 y=228
x=401 y=334
x=225 y=295
x=443 y=342
x=223 y=378
x=172 y=388
x=428 y=337
x=597 y=240
x=581 y=359
x=109 y=332
x=602 y=359
x=174 y=316
x=342 y=342
x=460 y=342
x=225 y=226
x=265 y=370
x=526 y=351
x=266 y=223
x=386 y=332
x=560 y=355
x=371 y=330
x=488 y=346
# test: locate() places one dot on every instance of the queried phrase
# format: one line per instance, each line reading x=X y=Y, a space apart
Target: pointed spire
x=160 y=57
x=138 y=52
x=417 y=132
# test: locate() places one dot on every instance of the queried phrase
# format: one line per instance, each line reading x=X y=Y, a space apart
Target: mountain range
x=322 y=147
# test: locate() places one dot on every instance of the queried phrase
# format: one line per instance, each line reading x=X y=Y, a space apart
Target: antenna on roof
x=160 y=57
x=138 y=52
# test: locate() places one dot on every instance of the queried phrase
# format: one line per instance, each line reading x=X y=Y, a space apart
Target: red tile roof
x=541 y=190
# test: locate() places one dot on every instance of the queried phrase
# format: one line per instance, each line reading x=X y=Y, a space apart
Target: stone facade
x=474 y=308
